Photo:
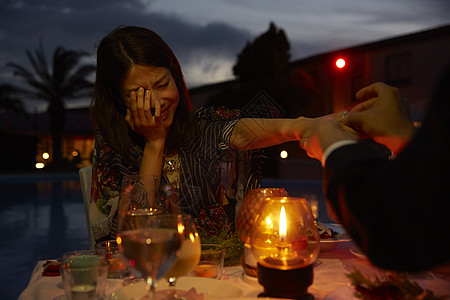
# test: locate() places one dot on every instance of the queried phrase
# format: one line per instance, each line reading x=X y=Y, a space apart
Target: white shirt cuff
x=333 y=147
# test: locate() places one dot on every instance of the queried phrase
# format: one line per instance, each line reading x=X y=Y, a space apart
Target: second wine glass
x=190 y=251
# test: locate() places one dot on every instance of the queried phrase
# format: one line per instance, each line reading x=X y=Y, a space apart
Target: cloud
x=207 y=37
x=206 y=69
x=328 y=25
x=206 y=52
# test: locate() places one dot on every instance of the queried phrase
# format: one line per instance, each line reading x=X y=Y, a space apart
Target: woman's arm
x=253 y=133
x=139 y=117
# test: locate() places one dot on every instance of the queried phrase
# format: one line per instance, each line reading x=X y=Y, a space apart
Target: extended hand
x=322 y=132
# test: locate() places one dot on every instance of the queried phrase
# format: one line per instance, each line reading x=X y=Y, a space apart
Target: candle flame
x=192 y=237
x=283 y=225
x=180 y=228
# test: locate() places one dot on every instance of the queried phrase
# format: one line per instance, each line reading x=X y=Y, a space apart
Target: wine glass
x=139 y=199
x=140 y=194
x=189 y=256
x=149 y=244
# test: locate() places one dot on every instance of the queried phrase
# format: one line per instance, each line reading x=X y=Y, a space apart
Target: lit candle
x=286 y=272
x=206 y=270
x=283 y=246
x=283 y=226
x=83 y=288
x=84 y=291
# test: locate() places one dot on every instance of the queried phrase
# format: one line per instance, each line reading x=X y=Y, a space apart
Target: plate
x=358 y=253
x=328 y=244
x=211 y=288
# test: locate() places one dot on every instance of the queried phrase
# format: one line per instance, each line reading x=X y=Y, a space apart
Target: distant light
x=283 y=154
x=45 y=155
x=39 y=165
x=75 y=153
x=340 y=63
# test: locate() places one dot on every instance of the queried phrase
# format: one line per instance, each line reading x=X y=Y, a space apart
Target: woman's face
x=161 y=85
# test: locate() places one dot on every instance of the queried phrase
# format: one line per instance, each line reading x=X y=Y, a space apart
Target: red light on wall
x=340 y=63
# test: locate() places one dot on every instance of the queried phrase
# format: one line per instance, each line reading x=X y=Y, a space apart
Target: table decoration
x=285 y=240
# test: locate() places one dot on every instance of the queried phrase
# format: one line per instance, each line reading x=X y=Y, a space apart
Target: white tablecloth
x=330 y=280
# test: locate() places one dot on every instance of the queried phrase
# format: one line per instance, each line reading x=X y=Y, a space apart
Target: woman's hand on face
x=140 y=117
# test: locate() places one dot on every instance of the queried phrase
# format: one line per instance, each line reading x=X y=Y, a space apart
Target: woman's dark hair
x=123 y=48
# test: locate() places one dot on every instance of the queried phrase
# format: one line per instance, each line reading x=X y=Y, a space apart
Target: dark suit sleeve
x=397 y=211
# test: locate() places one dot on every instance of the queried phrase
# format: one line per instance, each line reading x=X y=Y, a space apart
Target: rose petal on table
x=51 y=268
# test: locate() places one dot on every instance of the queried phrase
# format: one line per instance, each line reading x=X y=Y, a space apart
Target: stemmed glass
x=148 y=240
x=189 y=256
x=140 y=194
x=139 y=201
x=149 y=244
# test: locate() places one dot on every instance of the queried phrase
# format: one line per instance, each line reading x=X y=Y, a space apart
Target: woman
x=145 y=126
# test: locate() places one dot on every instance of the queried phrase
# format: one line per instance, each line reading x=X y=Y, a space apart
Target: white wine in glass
x=150 y=246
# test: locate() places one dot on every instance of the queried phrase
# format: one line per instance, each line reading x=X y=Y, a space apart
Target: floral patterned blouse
x=212 y=178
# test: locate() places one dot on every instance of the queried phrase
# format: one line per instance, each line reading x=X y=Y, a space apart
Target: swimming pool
x=41 y=217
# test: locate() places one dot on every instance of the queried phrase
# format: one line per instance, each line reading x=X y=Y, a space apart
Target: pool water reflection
x=41 y=217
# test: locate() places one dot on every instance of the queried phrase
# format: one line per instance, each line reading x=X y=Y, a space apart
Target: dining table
x=330 y=282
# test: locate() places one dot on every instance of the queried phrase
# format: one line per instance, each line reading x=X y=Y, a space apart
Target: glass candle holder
x=117 y=267
x=286 y=242
x=248 y=212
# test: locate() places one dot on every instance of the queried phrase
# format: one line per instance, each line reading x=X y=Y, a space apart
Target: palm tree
x=8 y=102
x=65 y=79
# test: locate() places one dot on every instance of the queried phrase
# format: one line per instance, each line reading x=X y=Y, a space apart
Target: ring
x=344 y=113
